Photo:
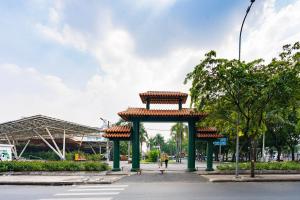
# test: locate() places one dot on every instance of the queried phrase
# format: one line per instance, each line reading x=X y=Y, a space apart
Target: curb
x=252 y=180
x=53 y=183
x=53 y=173
x=258 y=172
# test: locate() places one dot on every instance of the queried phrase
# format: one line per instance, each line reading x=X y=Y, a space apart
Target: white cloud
x=155 y=5
x=55 y=12
x=266 y=30
x=65 y=36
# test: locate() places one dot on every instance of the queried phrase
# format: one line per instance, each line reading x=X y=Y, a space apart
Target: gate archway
x=138 y=115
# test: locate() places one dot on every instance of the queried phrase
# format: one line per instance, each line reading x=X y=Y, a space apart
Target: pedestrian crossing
x=90 y=192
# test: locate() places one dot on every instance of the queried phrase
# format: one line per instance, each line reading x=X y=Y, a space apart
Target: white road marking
x=95 y=189
x=101 y=186
x=89 y=190
x=87 y=194
x=109 y=198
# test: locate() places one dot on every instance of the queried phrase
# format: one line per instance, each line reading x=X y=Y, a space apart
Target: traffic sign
x=221 y=141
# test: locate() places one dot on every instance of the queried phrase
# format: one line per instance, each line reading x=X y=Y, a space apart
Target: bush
x=153 y=155
x=50 y=155
x=263 y=166
x=52 y=166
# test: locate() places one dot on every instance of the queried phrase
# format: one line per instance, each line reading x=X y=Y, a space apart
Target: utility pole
x=263 y=148
x=107 y=124
x=238 y=95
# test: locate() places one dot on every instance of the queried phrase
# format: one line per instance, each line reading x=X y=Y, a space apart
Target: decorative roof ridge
x=163 y=92
x=159 y=109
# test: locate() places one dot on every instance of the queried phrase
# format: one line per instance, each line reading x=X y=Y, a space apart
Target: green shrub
x=263 y=166
x=50 y=155
x=153 y=155
x=52 y=166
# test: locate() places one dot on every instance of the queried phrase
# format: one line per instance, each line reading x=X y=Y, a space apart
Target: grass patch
x=19 y=166
x=262 y=166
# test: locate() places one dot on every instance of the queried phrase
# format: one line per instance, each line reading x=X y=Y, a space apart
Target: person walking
x=166 y=159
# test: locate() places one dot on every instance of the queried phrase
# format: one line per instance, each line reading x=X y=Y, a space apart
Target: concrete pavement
x=171 y=167
x=149 y=186
x=58 y=180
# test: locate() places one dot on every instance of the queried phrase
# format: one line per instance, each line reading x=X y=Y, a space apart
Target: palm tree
x=178 y=131
x=143 y=135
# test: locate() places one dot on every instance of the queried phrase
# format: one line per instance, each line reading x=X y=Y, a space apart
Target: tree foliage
x=254 y=90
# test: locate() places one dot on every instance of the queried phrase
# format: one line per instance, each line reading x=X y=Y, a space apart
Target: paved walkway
x=169 y=176
x=171 y=167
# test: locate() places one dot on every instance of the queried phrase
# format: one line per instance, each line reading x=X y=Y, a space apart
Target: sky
x=81 y=60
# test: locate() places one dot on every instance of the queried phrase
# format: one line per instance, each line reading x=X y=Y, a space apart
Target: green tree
x=143 y=136
x=245 y=88
x=179 y=132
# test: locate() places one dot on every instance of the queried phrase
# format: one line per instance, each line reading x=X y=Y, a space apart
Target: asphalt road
x=183 y=186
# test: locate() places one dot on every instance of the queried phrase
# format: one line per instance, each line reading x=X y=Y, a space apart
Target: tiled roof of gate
x=143 y=112
x=163 y=97
x=208 y=135
x=117 y=132
x=207 y=130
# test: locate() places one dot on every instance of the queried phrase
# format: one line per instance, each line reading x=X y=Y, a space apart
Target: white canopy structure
x=45 y=128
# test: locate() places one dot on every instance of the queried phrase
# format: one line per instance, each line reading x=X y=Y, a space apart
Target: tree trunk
x=278 y=153
x=233 y=157
x=177 y=149
x=216 y=156
x=253 y=155
x=180 y=146
x=293 y=153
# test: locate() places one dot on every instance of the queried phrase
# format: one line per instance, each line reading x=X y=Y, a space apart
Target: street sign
x=221 y=141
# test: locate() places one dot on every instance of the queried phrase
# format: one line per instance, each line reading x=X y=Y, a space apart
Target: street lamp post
x=106 y=123
x=238 y=120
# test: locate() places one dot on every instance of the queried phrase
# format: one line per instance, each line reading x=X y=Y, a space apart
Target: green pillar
x=136 y=146
x=147 y=104
x=180 y=104
x=191 y=148
x=116 y=164
x=210 y=147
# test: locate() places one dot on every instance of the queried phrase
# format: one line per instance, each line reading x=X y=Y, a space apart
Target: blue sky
x=185 y=22
x=79 y=60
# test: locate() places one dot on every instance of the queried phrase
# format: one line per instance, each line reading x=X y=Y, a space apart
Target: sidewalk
x=57 y=180
x=258 y=178
x=155 y=167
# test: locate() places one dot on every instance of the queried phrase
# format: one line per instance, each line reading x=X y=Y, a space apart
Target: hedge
x=18 y=166
x=50 y=155
x=289 y=165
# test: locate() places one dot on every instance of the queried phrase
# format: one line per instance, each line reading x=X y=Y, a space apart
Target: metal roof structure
x=45 y=128
x=26 y=127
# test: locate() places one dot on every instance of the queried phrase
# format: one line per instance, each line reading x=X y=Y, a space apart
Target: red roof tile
x=163 y=97
x=208 y=135
x=118 y=129
x=116 y=135
x=143 y=112
x=207 y=130
x=117 y=132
